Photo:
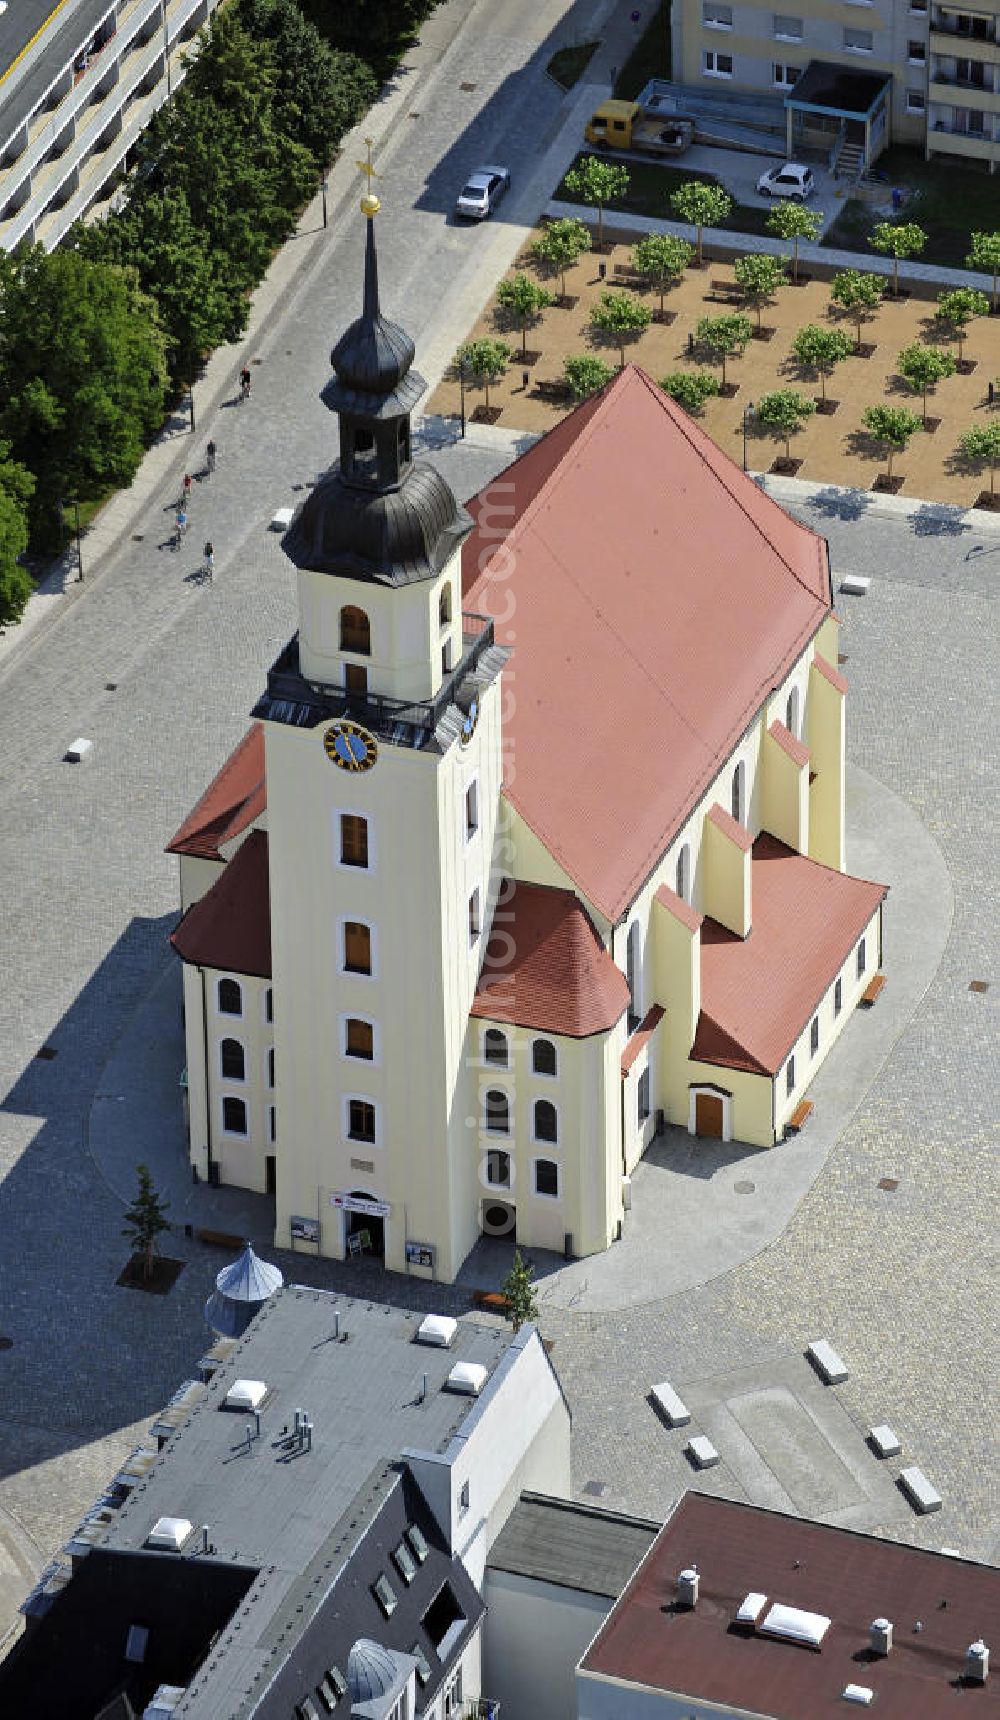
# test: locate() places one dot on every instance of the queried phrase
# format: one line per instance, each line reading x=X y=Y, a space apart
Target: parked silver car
x=792 y=180
x=482 y=192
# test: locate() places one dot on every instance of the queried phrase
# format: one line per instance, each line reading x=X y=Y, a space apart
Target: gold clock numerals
x=350 y=746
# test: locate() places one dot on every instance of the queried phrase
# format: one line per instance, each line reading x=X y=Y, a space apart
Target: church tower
x=382 y=735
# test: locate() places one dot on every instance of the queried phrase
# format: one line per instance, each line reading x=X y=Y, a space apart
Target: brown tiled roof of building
x=829 y=673
x=758 y=992
x=642 y=1036
x=798 y=753
x=230 y=803
x=677 y=906
x=229 y=928
x=844 y=1576
x=730 y=826
x=654 y=596
x=545 y=966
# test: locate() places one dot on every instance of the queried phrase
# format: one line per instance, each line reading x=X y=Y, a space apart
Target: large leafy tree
x=662 y=258
x=784 y=412
x=375 y=29
x=891 y=427
x=702 y=203
x=16 y=486
x=146 y=1219
x=956 y=309
x=759 y=276
x=585 y=375
x=898 y=240
x=485 y=361
x=858 y=295
x=598 y=183
x=521 y=302
x=82 y=373
x=981 y=447
x=724 y=337
x=819 y=349
x=923 y=367
x=561 y=245
x=791 y=220
x=984 y=254
x=319 y=91
x=690 y=388
x=620 y=317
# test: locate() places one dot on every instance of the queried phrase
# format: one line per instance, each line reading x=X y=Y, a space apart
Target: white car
x=792 y=180
x=482 y=192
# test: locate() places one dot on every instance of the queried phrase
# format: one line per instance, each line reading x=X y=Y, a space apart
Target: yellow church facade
x=536 y=844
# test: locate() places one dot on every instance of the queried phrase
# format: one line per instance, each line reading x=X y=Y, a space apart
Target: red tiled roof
x=798 y=753
x=560 y=978
x=654 y=597
x=229 y=804
x=229 y=928
x=642 y=1036
x=829 y=673
x=677 y=906
x=731 y=827
x=847 y=1577
x=758 y=992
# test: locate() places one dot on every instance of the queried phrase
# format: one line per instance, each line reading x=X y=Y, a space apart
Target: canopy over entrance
x=831 y=105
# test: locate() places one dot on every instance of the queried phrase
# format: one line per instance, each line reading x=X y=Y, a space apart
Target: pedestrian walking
x=209 y=561
x=181 y=522
x=210 y=457
x=187 y=487
x=245 y=383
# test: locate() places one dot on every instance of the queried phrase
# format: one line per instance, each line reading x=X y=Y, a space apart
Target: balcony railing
x=959 y=29
x=954 y=82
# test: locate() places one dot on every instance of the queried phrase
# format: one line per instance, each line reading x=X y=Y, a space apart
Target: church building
x=536 y=842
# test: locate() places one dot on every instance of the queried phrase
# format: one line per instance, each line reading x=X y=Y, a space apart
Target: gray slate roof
x=571 y=1545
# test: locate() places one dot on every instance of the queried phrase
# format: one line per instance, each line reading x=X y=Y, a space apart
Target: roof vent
x=977 y=1662
x=169 y=1534
x=687 y=1587
x=750 y=1609
x=794 y=1625
x=880 y=1634
x=246 y=1395
x=467 y=1377
x=859 y=1693
x=438 y=1329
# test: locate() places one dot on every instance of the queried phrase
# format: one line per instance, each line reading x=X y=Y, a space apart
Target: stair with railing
x=850 y=162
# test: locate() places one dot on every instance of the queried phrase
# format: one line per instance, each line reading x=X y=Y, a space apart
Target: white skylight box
x=169 y=1534
x=794 y=1625
x=859 y=1693
x=438 y=1329
x=751 y=1608
x=468 y=1377
x=416 y=1539
x=246 y=1394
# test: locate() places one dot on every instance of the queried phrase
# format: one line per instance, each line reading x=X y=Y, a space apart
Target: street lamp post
x=324 y=200
x=461 y=384
x=191 y=403
x=748 y=413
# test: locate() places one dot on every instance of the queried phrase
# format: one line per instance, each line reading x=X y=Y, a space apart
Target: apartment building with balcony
x=79 y=83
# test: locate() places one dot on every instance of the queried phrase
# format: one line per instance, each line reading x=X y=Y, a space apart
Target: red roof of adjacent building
x=229 y=928
x=758 y=992
x=788 y=743
x=845 y=1576
x=654 y=597
x=545 y=966
x=229 y=805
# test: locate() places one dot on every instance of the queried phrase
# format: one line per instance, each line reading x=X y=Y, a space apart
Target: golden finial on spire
x=370 y=204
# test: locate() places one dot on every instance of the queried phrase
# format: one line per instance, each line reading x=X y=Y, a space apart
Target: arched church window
x=684 y=874
x=632 y=974
x=444 y=605
x=355 y=630
x=792 y=713
x=739 y=793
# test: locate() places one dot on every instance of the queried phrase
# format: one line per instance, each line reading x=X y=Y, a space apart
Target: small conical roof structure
x=241 y=1288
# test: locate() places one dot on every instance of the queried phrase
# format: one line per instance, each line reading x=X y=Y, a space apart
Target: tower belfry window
x=364 y=455
x=355 y=631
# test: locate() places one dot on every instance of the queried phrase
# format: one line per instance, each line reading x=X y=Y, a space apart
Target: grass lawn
x=650 y=58
x=650 y=188
x=949 y=201
x=568 y=65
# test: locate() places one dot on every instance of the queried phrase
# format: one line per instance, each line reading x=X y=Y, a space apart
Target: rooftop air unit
x=977 y=1662
x=169 y=1534
x=880 y=1633
x=246 y=1395
x=687 y=1587
x=750 y=1609
x=467 y=1377
x=437 y=1329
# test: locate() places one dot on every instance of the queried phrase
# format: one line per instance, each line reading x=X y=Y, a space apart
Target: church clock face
x=350 y=746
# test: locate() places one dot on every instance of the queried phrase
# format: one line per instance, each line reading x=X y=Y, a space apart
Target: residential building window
x=547 y=1178
x=546 y=1122
x=543 y=1057
x=353 y=840
x=784 y=77
x=471 y=810
x=385 y=1594
x=790 y=1076
x=916 y=101
x=862 y=958
x=447 y=658
x=792 y=712
x=234 y=1116
x=465 y=1496
x=814 y=1036
x=415 y=1537
x=355 y=631
x=359 y=1039
x=361 y=1120
x=444 y=606
x=233 y=1061
x=230 y=997
x=453 y=1694
x=718 y=65
x=270 y=1067
x=497 y=1112
x=787 y=29
x=716 y=17
x=495 y=1048
x=838 y=997
x=858 y=41
x=633 y=975
x=919 y=6
x=738 y=793
x=404 y=1562
x=357 y=947
x=272 y=1124
x=642 y=1097
x=269 y=1005
x=474 y=917
x=498 y=1169
x=683 y=875
x=916 y=53
x=356 y=679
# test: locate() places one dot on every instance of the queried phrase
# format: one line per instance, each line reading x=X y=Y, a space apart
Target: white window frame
x=498 y=1087
x=540 y=1074
x=471 y=787
x=475 y=913
x=710 y=64
x=493 y=1187
x=787 y=35
x=539 y=1140
x=539 y=1194
x=234 y=1134
x=838 y=997
x=360 y=1062
x=814 y=1036
x=345 y=1119
x=486 y=1062
x=916 y=101
x=359 y=920
x=790 y=1076
x=229 y=1014
x=342 y=865
x=858 y=47
x=784 y=82
x=710 y=23
x=861 y=959
x=240 y=1080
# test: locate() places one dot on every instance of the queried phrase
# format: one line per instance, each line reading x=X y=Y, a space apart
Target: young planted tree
x=857 y=294
x=517 y=1287
x=690 y=388
x=985 y=255
x=522 y=301
x=703 y=204
x=892 y=426
x=620 y=317
x=663 y=258
x=955 y=311
x=898 y=240
x=586 y=375
x=145 y=1220
x=923 y=367
x=791 y=220
x=981 y=447
x=724 y=337
x=598 y=183
x=16 y=585
x=485 y=362
x=759 y=276
x=818 y=349
x=784 y=412
x=560 y=246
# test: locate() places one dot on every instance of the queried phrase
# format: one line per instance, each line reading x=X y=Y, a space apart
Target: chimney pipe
x=204 y=1537
x=881 y=1635
x=687 y=1587
x=336 y=1324
x=307 y=1428
x=977 y=1662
